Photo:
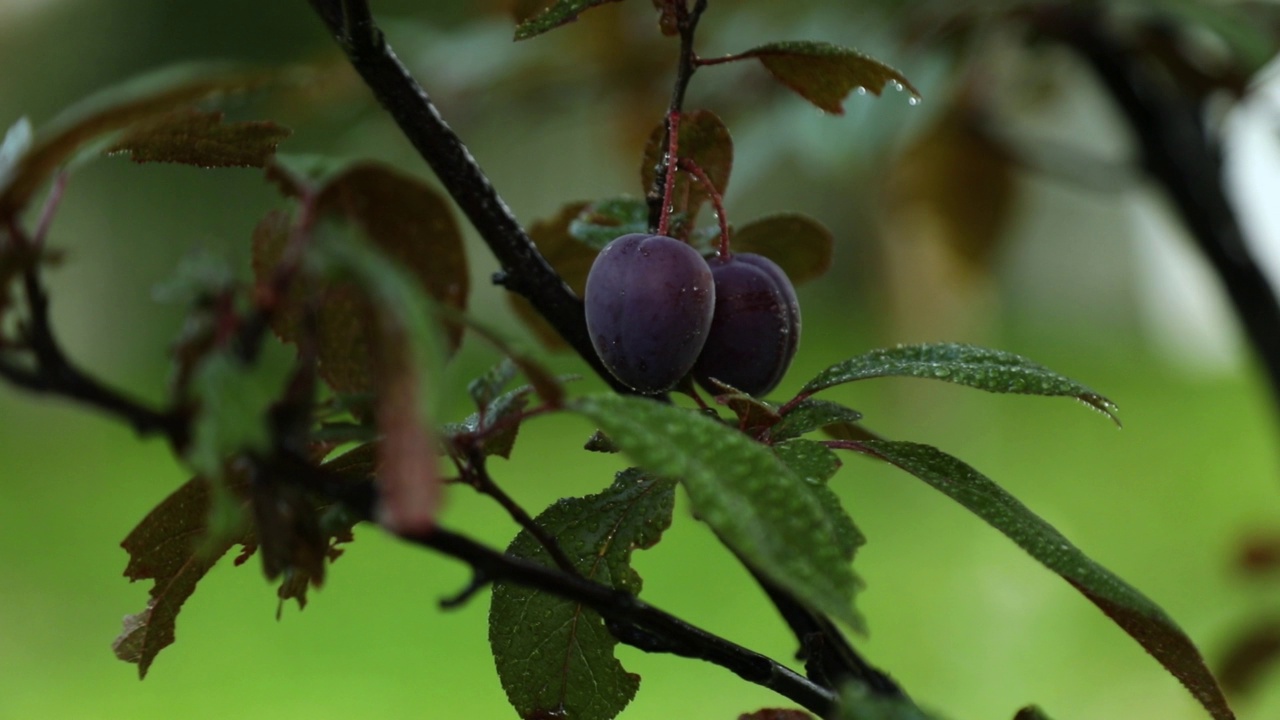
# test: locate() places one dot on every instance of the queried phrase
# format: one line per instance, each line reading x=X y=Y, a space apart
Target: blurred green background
x=967 y=623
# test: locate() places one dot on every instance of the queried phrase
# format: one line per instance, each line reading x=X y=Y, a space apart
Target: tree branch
x=525 y=271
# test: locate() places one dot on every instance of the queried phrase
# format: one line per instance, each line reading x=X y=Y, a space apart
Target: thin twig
x=687 y=25
x=690 y=166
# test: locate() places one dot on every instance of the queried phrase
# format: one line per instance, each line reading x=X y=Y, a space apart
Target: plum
x=649 y=302
x=756 y=326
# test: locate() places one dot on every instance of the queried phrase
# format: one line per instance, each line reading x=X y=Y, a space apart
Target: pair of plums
x=657 y=310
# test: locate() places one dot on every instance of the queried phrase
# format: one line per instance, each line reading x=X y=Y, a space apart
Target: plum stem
x=717 y=201
x=660 y=192
x=669 y=177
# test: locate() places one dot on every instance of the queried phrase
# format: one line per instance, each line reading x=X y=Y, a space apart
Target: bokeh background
x=1032 y=232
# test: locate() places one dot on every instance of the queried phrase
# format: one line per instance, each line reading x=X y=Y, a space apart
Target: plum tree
x=649 y=304
x=756 y=326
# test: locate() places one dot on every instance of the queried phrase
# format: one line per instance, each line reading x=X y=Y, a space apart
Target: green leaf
x=234 y=402
x=758 y=507
x=487 y=387
x=816 y=464
x=561 y=13
x=554 y=656
x=1127 y=607
x=601 y=222
x=498 y=413
x=859 y=703
x=800 y=245
x=991 y=370
x=194 y=137
x=14 y=147
x=810 y=415
x=824 y=74
x=705 y=140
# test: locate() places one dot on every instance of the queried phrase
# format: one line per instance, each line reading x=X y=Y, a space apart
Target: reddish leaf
x=705 y=140
x=570 y=258
x=552 y=17
x=800 y=245
x=112 y=110
x=409 y=484
x=194 y=137
x=164 y=547
x=824 y=74
x=404 y=219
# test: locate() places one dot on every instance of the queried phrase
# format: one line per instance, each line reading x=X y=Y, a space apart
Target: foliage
x=362 y=277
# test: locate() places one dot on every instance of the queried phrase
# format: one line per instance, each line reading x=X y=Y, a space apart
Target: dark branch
x=687 y=24
x=526 y=271
x=1180 y=153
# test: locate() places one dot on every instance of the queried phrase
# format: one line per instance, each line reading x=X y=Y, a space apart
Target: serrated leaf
x=1128 y=608
x=809 y=415
x=163 y=548
x=991 y=370
x=757 y=506
x=555 y=657
x=824 y=74
x=800 y=245
x=550 y=18
x=499 y=413
x=114 y=109
x=190 y=136
x=705 y=140
x=488 y=386
x=816 y=464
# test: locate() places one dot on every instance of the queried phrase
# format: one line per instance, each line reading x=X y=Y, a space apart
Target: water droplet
x=913 y=100
x=860 y=90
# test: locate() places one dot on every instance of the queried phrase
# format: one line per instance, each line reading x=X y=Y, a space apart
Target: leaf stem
x=690 y=166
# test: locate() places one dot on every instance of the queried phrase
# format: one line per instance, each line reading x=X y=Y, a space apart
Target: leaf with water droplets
x=991 y=370
x=553 y=16
x=816 y=464
x=1155 y=631
x=554 y=655
x=824 y=74
x=810 y=415
x=757 y=506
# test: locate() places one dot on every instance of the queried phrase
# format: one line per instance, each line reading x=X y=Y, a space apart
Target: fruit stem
x=669 y=163
x=717 y=202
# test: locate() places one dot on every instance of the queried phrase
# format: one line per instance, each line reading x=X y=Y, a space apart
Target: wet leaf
x=570 y=258
x=824 y=74
x=755 y=504
x=556 y=657
x=163 y=547
x=14 y=147
x=810 y=415
x=601 y=222
x=1155 y=631
x=115 y=109
x=500 y=414
x=194 y=137
x=484 y=389
x=991 y=370
x=705 y=140
x=800 y=245
x=552 y=17
x=816 y=464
